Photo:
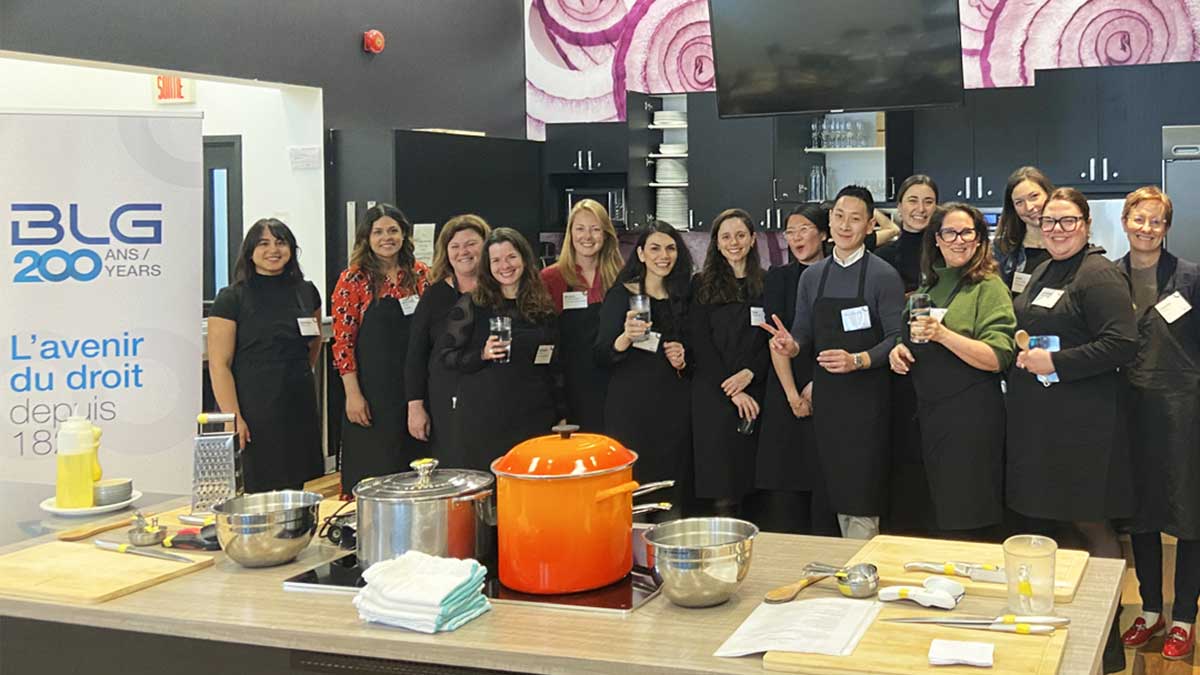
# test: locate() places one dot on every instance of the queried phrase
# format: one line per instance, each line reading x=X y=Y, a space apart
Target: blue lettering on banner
x=39 y=224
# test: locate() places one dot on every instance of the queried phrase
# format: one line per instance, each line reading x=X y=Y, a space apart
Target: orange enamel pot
x=564 y=512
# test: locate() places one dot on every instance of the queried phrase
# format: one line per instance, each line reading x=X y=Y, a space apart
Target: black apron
x=278 y=400
x=587 y=382
x=850 y=410
x=1067 y=453
x=385 y=447
x=786 y=444
x=1165 y=437
x=961 y=411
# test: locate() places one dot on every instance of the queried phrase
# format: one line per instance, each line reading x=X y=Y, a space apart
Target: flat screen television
x=790 y=56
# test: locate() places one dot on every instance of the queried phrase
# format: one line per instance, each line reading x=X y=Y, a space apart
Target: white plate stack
x=672 y=207
x=673 y=148
x=670 y=118
x=672 y=203
x=670 y=170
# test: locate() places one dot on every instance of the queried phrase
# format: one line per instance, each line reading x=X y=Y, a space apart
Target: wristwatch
x=858 y=364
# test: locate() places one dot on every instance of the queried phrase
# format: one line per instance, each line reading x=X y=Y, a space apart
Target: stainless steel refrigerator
x=1181 y=180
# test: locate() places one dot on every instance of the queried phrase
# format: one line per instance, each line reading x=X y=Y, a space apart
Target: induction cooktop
x=342 y=576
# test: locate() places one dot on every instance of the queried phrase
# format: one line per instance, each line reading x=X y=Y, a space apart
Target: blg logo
x=38 y=229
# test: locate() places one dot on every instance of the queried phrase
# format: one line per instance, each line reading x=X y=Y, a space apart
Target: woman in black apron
x=910 y=509
x=431 y=388
x=508 y=390
x=1165 y=426
x=263 y=341
x=373 y=304
x=587 y=267
x=649 y=392
x=1018 y=246
x=730 y=359
x=848 y=309
x=1068 y=446
x=954 y=359
x=788 y=474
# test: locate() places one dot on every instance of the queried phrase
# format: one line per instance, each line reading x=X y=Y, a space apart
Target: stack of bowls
x=668 y=118
x=111 y=491
x=702 y=561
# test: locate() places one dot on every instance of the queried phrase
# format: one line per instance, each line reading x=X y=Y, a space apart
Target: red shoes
x=1139 y=634
x=1179 y=643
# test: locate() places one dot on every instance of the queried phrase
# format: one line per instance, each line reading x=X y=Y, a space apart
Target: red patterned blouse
x=351 y=297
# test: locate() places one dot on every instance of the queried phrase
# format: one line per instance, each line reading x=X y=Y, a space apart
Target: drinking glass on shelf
x=816 y=133
x=860 y=135
x=641 y=304
x=826 y=132
x=501 y=327
x=919 y=305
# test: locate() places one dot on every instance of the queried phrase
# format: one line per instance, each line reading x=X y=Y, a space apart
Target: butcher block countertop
x=229 y=603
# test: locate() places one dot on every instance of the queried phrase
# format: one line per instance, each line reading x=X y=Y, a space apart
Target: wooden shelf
x=824 y=151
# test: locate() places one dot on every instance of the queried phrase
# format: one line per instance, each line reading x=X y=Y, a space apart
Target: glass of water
x=919 y=306
x=1029 y=567
x=501 y=327
x=641 y=304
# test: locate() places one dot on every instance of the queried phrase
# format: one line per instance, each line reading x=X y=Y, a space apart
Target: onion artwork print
x=581 y=56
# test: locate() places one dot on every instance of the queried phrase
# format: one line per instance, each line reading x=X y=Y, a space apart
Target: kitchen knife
x=1057 y=621
x=129 y=548
x=973 y=571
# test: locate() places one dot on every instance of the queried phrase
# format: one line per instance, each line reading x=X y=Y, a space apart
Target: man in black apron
x=849 y=309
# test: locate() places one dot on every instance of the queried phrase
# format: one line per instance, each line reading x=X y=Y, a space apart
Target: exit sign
x=174 y=89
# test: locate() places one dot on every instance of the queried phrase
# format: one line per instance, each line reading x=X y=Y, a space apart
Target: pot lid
x=425 y=481
x=566 y=453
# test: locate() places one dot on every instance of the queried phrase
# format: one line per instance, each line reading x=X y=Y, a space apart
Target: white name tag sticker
x=856 y=318
x=938 y=313
x=574 y=300
x=650 y=344
x=308 y=326
x=1048 y=298
x=1020 y=281
x=1173 y=306
x=757 y=316
x=409 y=304
x=544 y=354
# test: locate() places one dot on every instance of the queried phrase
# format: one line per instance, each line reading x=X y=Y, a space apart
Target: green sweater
x=981 y=311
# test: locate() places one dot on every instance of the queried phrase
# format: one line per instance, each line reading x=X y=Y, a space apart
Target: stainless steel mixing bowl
x=702 y=561
x=268 y=528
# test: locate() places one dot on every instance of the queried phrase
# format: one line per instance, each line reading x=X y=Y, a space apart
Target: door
x=1131 y=120
x=597 y=147
x=639 y=196
x=1068 y=124
x=942 y=150
x=737 y=161
x=222 y=211
x=793 y=133
x=1005 y=137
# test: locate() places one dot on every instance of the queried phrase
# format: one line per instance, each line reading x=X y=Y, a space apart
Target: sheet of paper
x=423 y=242
x=951 y=652
x=831 y=626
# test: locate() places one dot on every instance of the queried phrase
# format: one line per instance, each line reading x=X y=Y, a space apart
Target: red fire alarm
x=373 y=41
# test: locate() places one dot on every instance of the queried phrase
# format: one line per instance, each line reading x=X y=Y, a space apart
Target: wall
x=582 y=57
x=448 y=63
x=269 y=118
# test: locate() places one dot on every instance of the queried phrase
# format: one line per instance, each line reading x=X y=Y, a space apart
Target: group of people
x=1034 y=381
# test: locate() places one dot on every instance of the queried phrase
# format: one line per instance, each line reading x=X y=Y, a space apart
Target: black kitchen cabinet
x=1131 y=120
x=730 y=163
x=789 y=184
x=942 y=149
x=642 y=140
x=1004 y=137
x=586 y=148
x=1068 y=125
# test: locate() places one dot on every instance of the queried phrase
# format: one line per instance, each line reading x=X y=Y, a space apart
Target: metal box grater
x=216 y=464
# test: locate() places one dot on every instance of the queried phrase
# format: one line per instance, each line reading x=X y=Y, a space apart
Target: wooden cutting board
x=893 y=649
x=889 y=553
x=80 y=572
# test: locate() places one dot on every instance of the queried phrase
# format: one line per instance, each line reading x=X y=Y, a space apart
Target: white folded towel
x=423 y=592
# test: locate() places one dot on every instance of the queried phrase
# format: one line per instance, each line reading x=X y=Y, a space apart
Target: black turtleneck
x=904 y=254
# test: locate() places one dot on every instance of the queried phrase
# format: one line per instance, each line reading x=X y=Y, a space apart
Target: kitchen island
x=230 y=619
